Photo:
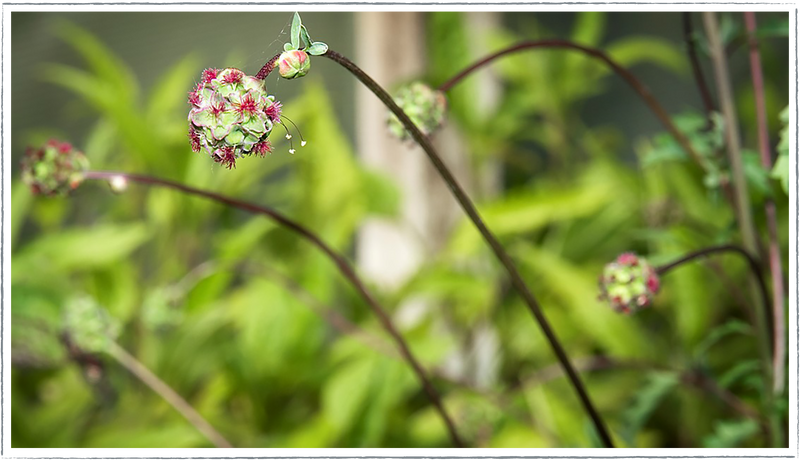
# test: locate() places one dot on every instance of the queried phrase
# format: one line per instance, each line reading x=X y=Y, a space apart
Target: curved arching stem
x=752 y=263
x=340 y=262
x=626 y=75
x=497 y=248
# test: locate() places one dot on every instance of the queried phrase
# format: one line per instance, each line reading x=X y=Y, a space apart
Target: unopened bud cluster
x=629 y=283
x=424 y=105
x=89 y=326
x=293 y=64
x=231 y=116
x=53 y=169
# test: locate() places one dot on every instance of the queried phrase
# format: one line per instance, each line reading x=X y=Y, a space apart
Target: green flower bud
x=89 y=326
x=54 y=169
x=629 y=283
x=293 y=64
x=425 y=106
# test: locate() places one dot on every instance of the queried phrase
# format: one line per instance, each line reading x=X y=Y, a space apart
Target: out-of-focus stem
x=691 y=49
x=725 y=91
x=626 y=75
x=776 y=270
x=341 y=263
x=165 y=391
x=752 y=263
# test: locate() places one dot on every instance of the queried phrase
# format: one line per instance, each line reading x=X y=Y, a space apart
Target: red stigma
x=262 y=148
x=226 y=157
x=194 y=98
x=234 y=76
x=65 y=147
x=218 y=108
x=194 y=138
x=209 y=74
x=248 y=105
x=273 y=112
x=628 y=259
x=652 y=283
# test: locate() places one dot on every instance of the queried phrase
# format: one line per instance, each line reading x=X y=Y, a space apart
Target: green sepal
x=203 y=118
x=220 y=131
x=317 y=49
x=288 y=47
x=254 y=125
x=305 y=40
x=235 y=137
x=229 y=117
x=249 y=141
x=295 y=34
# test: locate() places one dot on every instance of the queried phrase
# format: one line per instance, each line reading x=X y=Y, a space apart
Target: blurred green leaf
x=629 y=51
x=169 y=92
x=755 y=174
x=777 y=27
x=720 y=332
x=21 y=199
x=647 y=399
x=737 y=372
x=781 y=169
x=101 y=59
x=730 y=433
x=517 y=435
x=78 y=249
x=345 y=394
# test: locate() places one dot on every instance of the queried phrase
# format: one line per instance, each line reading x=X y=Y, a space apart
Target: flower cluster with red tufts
x=54 y=169
x=231 y=116
x=629 y=283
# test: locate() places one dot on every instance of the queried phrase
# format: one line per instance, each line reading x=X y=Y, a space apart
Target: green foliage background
x=208 y=297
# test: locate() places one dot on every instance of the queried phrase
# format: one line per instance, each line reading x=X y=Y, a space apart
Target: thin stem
x=774 y=427
x=742 y=203
x=267 y=68
x=776 y=270
x=752 y=263
x=725 y=91
x=691 y=49
x=626 y=75
x=340 y=262
x=174 y=399
x=501 y=254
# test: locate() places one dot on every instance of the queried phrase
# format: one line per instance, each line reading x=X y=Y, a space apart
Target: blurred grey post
x=390 y=47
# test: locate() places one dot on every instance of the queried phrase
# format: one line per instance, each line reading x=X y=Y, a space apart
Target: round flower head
x=53 y=169
x=231 y=116
x=424 y=106
x=89 y=326
x=293 y=64
x=629 y=283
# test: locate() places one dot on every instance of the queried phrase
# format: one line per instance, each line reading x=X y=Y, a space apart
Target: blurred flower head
x=231 y=116
x=424 y=105
x=89 y=326
x=629 y=283
x=54 y=169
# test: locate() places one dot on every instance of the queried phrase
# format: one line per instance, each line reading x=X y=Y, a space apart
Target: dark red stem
x=691 y=49
x=755 y=268
x=776 y=270
x=497 y=248
x=268 y=67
